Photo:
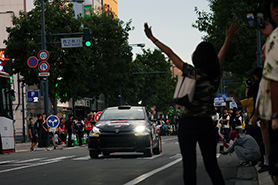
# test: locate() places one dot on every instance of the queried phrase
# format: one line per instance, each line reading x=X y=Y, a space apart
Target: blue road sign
x=32 y=62
x=52 y=121
x=33 y=96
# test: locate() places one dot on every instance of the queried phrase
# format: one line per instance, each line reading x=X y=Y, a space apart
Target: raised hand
x=148 y=31
x=231 y=31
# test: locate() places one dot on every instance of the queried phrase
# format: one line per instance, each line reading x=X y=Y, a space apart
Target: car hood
x=121 y=125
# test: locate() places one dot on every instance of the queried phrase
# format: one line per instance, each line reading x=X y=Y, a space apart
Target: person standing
x=33 y=134
x=45 y=133
x=69 y=127
x=38 y=124
x=267 y=106
x=225 y=123
x=196 y=124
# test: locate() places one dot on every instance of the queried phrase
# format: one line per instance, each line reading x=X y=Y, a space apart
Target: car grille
x=110 y=141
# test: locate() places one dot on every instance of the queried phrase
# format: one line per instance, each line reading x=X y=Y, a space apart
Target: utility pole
x=43 y=42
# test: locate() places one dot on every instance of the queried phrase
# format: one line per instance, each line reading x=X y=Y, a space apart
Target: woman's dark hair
x=206 y=59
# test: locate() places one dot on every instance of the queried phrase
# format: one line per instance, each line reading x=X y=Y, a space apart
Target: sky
x=171 y=22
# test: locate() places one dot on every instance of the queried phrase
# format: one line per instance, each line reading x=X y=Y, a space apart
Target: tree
x=74 y=72
x=153 y=89
x=241 y=56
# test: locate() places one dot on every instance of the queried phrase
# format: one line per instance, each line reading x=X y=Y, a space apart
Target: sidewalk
x=247 y=175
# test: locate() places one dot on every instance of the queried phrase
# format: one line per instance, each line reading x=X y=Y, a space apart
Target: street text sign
x=33 y=96
x=72 y=42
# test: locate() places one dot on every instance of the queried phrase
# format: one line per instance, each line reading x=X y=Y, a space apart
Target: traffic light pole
x=43 y=42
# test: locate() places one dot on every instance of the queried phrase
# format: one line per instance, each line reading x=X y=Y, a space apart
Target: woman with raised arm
x=196 y=124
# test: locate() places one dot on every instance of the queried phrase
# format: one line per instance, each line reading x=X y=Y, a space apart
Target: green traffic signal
x=87 y=37
x=88 y=43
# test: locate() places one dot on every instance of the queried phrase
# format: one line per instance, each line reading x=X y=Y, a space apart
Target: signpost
x=32 y=62
x=44 y=66
x=43 y=55
x=33 y=96
x=97 y=116
x=72 y=42
x=53 y=122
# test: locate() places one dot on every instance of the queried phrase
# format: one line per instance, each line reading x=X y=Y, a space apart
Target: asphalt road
x=74 y=166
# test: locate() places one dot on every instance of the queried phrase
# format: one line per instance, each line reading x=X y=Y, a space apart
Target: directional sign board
x=32 y=62
x=43 y=55
x=43 y=66
x=33 y=96
x=72 y=42
x=97 y=116
x=52 y=121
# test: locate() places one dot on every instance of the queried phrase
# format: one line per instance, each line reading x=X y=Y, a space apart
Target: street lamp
x=8 y=12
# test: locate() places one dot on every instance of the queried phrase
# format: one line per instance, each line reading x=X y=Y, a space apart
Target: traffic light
x=11 y=79
x=87 y=37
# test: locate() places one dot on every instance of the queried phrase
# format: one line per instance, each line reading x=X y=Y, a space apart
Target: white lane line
x=218 y=155
x=5 y=162
x=175 y=156
x=146 y=175
x=153 y=157
x=29 y=160
x=54 y=160
x=81 y=158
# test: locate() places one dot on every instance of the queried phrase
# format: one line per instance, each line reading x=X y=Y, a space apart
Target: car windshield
x=122 y=114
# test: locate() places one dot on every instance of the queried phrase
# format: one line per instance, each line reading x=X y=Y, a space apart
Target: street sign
x=233 y=104
x=43 y=55
x=97 y=116
x=52 y=121
x=33 y=96
x=219 y=104
x=72 y=42
x=44 y=66
x=44 y=74
x=229 y=99
x=32 y=62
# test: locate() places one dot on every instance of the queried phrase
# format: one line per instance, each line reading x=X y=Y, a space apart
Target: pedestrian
x=79 y=130
x=267 y=106
x=225 y=125
x=38 y=124
x=88 y=124
x=196 y=124
x=69 y=127
x=246 y=148
x=33 y=134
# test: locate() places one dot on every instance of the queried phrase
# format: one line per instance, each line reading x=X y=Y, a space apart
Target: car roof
x=125 y=107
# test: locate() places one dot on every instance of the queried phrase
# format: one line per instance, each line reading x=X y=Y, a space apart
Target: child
x=56 y=139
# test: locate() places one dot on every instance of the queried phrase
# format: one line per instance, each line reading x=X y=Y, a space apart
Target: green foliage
x=84 y=72
x=241 y=56
x=152 y=89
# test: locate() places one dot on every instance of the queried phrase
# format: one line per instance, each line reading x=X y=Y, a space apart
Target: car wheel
x=94 y=154
x=158 y=149
x=149 y=152
x=106 y=154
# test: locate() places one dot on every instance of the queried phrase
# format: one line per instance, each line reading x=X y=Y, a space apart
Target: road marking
x=49 y=161
x=146 y=175
x=153 y=157
x=29 y=160
x=175 y=156
x=82 y=158
x=169 y=139
x=218 y=155
x=5 y=162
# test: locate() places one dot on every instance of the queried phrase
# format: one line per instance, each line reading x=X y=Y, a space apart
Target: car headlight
x=96 y=130
x=140 y=128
